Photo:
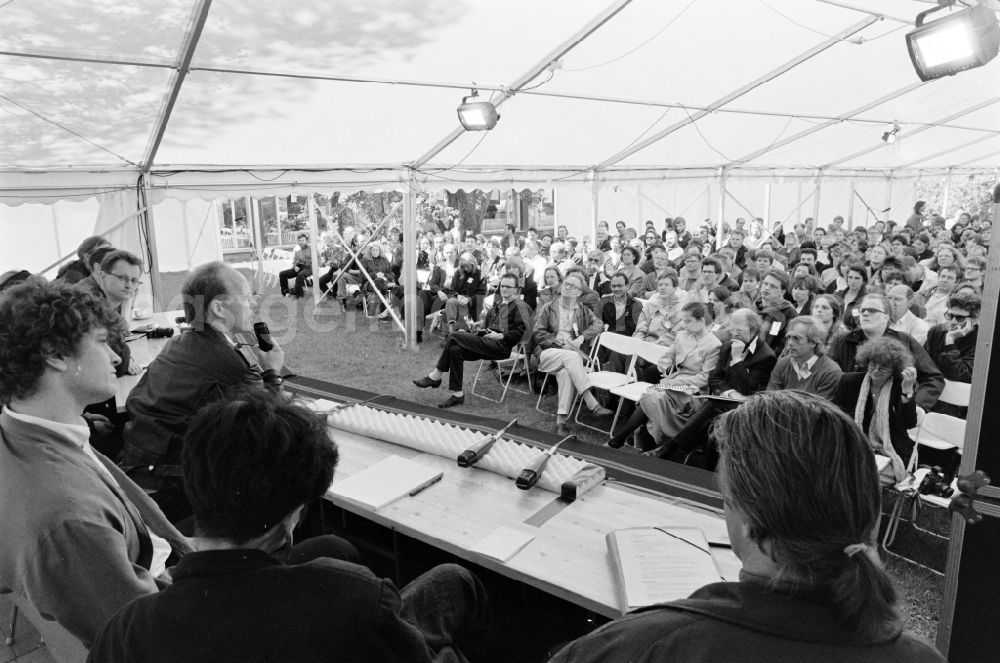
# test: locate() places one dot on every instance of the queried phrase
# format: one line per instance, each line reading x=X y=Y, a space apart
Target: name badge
x=775 y=328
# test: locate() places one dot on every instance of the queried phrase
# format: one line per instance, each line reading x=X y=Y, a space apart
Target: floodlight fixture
x=477 y=115
x=891 y=135
x=962 y=40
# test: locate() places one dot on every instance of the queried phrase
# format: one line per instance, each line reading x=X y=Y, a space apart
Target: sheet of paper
x=502 y=543
x=661 y=564
x=385 y=482
x=881 y=461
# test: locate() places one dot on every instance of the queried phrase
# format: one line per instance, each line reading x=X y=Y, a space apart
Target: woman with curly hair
x=630 y=267
x=881 y=401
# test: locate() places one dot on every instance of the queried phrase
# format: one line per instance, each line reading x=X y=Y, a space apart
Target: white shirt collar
x=79 y=433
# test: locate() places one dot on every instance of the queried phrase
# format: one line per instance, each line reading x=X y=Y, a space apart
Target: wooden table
x=568 y=557
x=144 y=350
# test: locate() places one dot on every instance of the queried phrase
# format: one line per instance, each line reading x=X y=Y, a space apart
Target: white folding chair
x=626 y=346
x=956 y=393
x=633 y=391
x=936 y=431
x=588 y=365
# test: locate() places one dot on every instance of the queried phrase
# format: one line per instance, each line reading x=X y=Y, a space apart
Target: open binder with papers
x=659 y=564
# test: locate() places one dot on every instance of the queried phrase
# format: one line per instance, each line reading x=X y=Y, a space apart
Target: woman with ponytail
x=802 y=508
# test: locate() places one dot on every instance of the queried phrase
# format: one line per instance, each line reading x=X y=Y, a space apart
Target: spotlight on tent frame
x=962 y=40
x=477 y=115
x=891 y=135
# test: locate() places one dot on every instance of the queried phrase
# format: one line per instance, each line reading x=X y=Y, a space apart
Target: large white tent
x=626 y=109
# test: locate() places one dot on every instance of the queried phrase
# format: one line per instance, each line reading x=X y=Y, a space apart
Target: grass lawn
x=351 y=350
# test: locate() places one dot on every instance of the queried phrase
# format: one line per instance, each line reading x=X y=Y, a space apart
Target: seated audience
x=685 y=366
x=79 y=269
x=744 y=368
x=300 y=270
x=934 y=299
x=564 y=331
x=551 y=285
x=379 y=269
x=504 y=325
x=80 y=539
x=251 y=465
x=804 y=289
x=856 y=277
x=804 y=364
x=597 y=280
x=199 y=366
x=952 y=344
x=874 y=322
x=812 y=587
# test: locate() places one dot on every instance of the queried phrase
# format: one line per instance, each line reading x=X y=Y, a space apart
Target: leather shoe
x=452 y=402
x=600 y=411
x=426 y=381
x=563 y=429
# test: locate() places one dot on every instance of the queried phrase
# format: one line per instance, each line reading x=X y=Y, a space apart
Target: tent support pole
x=850 y=205
x=947 y=193
x=409 y=273
x=313 y=247
x=719 y=232
x=155 y=283
x=819 y=190
x=888 y=193
x=767 y=203
x=594 y=207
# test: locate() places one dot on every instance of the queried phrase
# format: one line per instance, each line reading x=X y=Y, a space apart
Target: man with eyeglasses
x=199 y=366
x=804 y=364
x=502 y=328
x=597 y=280
x=873 y=323
x=952 y=344
x=117 y=282
x=563 y=332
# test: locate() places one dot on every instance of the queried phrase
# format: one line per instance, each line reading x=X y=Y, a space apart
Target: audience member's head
x=251 y=463
x=883 y=357
x=963 y=308
x=120 y=275
x=793 y=529
x=88 y=246
x=804 y=338
x=56 y=333
x=216 y=295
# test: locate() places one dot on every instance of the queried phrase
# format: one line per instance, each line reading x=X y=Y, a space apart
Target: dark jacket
x=774 y=324
x=515 y=324
x=529 y=293
x=744 y=622
x=244 y=605
x=902 y=416
x=466 y=284
x=194 y=368
x=633 y=307
x=748 y=376
x=599 y=283
x=956 y=360
x=930 y=382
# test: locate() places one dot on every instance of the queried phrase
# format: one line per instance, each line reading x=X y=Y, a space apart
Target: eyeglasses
x=957 y=317
x=125 y=280
x=870 y=311
x=571 y=286
x=875 y=368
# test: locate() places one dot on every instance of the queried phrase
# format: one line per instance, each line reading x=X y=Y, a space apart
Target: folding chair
x=519 y=353
x=627 y=346
x=588 y=365
x=634 y=390
x=956 y=393
x=936 y=431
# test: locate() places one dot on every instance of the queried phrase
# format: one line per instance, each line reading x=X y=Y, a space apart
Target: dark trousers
x=300 y=277
x=463 y=346
x=695 y=431
x=325 y=279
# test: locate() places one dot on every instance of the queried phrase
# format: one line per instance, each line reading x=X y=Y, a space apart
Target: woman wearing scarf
x=881 y=402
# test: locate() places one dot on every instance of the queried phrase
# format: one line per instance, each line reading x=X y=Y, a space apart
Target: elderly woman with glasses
x=873 y=323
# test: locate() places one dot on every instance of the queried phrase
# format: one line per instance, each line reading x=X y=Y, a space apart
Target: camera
x=160 y=332
x=936 y=483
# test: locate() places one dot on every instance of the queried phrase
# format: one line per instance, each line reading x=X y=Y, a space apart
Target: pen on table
x=420 y=489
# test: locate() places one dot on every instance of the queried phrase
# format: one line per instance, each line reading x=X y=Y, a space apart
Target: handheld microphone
x=263 y=335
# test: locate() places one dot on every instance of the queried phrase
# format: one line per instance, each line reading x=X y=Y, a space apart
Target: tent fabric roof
x=364 y=84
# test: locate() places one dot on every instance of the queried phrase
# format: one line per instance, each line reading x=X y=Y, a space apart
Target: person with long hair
x=826 y=311
x=856 y=277
x=812 y=586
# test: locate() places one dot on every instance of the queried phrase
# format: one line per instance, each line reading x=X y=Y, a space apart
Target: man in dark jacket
x=502 y=328
x=195 y=368
x=952 y=344
x=776 y=311
x=251 y=464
